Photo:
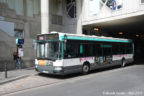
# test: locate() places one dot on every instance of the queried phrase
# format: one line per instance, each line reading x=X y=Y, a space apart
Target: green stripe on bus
x=93 y=39
x=47 y=40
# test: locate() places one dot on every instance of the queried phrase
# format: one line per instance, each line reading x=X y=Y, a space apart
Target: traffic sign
x=20 y=41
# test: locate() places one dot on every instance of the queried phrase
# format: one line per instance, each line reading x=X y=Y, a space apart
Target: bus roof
x=89 y=38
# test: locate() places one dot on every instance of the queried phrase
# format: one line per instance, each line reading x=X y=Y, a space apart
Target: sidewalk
x=13 y=75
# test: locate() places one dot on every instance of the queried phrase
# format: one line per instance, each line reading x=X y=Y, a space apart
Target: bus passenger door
x=98 y=55
x=103 y=54
x=107 y=54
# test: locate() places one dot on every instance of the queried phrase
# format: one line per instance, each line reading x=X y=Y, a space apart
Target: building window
x=56 y=19
x=36 y=6
x=16 y=5
x=11 y=4
x=3 y=1
x=19 y=7
x=33 y=7
x=29 y=8
x=19 y=33
x=71 y=8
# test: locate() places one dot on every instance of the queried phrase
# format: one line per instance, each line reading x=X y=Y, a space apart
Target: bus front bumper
x=50 y=69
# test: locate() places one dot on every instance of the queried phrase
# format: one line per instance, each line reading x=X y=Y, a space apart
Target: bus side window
x=115 y=49
x=107 y=50
x=81 y=49
x=98 y=50
x=122 y=49
x=88 y=50
x=72 y=50
x=129 y=49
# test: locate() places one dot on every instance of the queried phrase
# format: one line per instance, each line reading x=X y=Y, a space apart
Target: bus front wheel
x=85 y=69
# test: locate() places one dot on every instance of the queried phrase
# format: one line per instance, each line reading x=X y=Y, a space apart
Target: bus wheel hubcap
x=85 y=68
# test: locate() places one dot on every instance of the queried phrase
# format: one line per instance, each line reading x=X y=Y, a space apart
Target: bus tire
x=85 y=69
x=123 y=62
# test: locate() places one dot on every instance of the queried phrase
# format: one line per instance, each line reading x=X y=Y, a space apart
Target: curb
x=13 y=79
x=7 y=80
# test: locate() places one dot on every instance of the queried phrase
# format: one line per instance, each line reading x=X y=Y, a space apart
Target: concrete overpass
x=125 y=21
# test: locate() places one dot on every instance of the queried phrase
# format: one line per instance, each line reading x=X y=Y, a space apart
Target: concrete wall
x=68 y=25
x=18 y=15
x=56 y=11
x=25 y=16
x=58 y=8
x=129 y=8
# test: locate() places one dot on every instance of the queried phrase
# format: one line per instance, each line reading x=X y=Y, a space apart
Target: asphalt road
x=128 y=81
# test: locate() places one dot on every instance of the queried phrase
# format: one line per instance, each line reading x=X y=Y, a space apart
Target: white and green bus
x=62 y=53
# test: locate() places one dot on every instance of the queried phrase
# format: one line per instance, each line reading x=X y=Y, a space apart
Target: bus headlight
x=58 y=69
x=51 y=63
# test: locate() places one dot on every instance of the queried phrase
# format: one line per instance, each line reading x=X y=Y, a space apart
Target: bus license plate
x=45 y=71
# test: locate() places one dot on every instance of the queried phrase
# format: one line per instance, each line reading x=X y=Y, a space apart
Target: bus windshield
x=48 y=50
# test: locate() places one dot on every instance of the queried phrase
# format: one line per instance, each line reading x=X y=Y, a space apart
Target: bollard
x=5 y=70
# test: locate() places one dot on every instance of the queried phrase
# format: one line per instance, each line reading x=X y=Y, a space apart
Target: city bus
x=63 y=53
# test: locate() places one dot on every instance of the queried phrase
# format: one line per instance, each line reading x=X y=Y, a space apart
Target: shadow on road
x=60 y=76
x=139 y=61
x=80 y=74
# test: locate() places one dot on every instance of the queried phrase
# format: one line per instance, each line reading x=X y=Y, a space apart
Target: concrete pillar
x=44 y=16
x=79 y=16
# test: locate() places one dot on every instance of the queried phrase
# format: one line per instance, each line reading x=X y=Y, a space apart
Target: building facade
x=19 y=19
x=61 y=15
x=23 y=19
x=82 y=16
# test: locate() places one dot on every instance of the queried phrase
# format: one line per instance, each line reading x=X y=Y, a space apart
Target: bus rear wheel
x=85 y=69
